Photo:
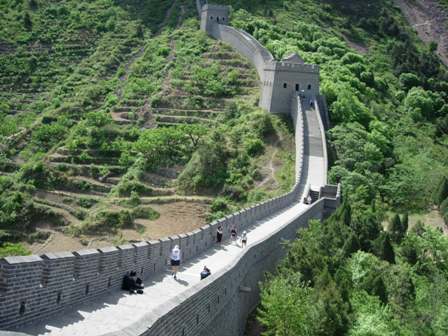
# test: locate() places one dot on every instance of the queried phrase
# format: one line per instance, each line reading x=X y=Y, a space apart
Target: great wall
x=79 y=293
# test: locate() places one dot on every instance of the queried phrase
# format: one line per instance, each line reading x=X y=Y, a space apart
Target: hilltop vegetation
x=362 y=272
x=110 y=110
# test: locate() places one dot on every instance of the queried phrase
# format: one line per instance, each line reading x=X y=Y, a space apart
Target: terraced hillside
x=127 y=126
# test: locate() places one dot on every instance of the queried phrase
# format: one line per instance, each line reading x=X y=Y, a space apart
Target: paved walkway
x=119 y=310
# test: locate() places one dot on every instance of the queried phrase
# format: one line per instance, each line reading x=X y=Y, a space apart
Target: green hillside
x=365 y=271
x=117 y=117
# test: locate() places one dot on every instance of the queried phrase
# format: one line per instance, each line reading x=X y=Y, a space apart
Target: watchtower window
x=309 y=86
x=297 y=87
x=223 y=19
x=217 y=19
x=211 y=17
x=285 y=85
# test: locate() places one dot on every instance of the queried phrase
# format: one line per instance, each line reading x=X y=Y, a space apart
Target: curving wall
x=245 y=44
x=35 y=287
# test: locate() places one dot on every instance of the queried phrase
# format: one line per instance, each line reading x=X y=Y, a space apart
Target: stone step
x=88 y=170
x=76 y=159
x=188 y=113
x=160 y=118
x=77 y=213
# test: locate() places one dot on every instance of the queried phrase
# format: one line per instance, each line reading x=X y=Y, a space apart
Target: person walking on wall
x=219 y=234
x=175 y=260
x=233 y=233
x=244 y=239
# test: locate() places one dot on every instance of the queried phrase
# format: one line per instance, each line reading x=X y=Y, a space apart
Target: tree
x=287 y=307
x=33 y=4
x=333 y=309
x=442 y=191
x=405 y=223
x=384 y=249
x=396 y=228
x=27 y=23
x=408 y=81
x=420 y=104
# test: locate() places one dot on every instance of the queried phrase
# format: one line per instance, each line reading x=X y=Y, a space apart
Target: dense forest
x=366 y=270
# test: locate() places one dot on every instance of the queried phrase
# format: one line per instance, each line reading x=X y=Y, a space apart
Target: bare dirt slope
x=430 y=19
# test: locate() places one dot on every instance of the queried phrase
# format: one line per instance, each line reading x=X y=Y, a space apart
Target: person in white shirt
x=244 y=239
x=175 y=260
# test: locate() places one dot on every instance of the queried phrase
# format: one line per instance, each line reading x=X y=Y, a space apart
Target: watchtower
x=212 y=15
x=286 y=78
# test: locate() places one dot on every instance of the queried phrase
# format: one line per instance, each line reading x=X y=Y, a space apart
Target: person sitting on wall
x=308 y=200
x=205 y=272
x=132 y=284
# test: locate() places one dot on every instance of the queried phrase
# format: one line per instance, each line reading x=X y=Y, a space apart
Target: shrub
x=10 y=249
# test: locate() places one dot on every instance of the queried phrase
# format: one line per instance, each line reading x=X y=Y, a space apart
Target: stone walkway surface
x=119 y=310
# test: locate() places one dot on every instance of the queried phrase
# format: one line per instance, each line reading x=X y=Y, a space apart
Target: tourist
x=175 y=260
x=233 y=233
x=132 y=284
x=205 y=272
x=244 y=239
x=308 y=200
x=219 y=234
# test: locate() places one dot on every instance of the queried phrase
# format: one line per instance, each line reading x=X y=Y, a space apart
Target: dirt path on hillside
x=272 y=168
x=430 y=20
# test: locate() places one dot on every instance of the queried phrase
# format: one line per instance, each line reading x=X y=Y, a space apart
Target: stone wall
x=219 y=305
x=35 y=287
x=287 y=80
x=244 y=44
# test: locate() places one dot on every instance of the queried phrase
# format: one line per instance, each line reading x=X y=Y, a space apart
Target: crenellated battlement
x=292 y=67
x=36 y=287
x=280 y=80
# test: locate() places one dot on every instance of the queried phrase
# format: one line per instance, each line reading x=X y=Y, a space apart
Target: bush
x=10 y=249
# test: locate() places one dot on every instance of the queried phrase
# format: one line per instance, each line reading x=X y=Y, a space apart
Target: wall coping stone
x=57 y=255
x=125 y=247
x=82 y=253
x=140 y=244
x=22 y=259
x=108 y=249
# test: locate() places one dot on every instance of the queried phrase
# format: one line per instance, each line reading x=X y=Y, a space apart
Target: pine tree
x=33 y=4
x=396 y=228
x=405 y=224
x=27 y=23
x=442 y=192
x=384 y=248
x=379 y=289
x=351 y=245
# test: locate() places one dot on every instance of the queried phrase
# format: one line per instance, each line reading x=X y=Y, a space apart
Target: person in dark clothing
x=132 y=284
x=205 y=272
x=219 y=234
x=233 y=234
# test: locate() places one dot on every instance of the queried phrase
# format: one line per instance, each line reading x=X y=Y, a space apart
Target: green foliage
x=146 y=213
x=10 y=249
x=384 y=248
x=383 y=288
x=105 y=221
x=288 y=307
x=223 y=158
x=442 y=192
